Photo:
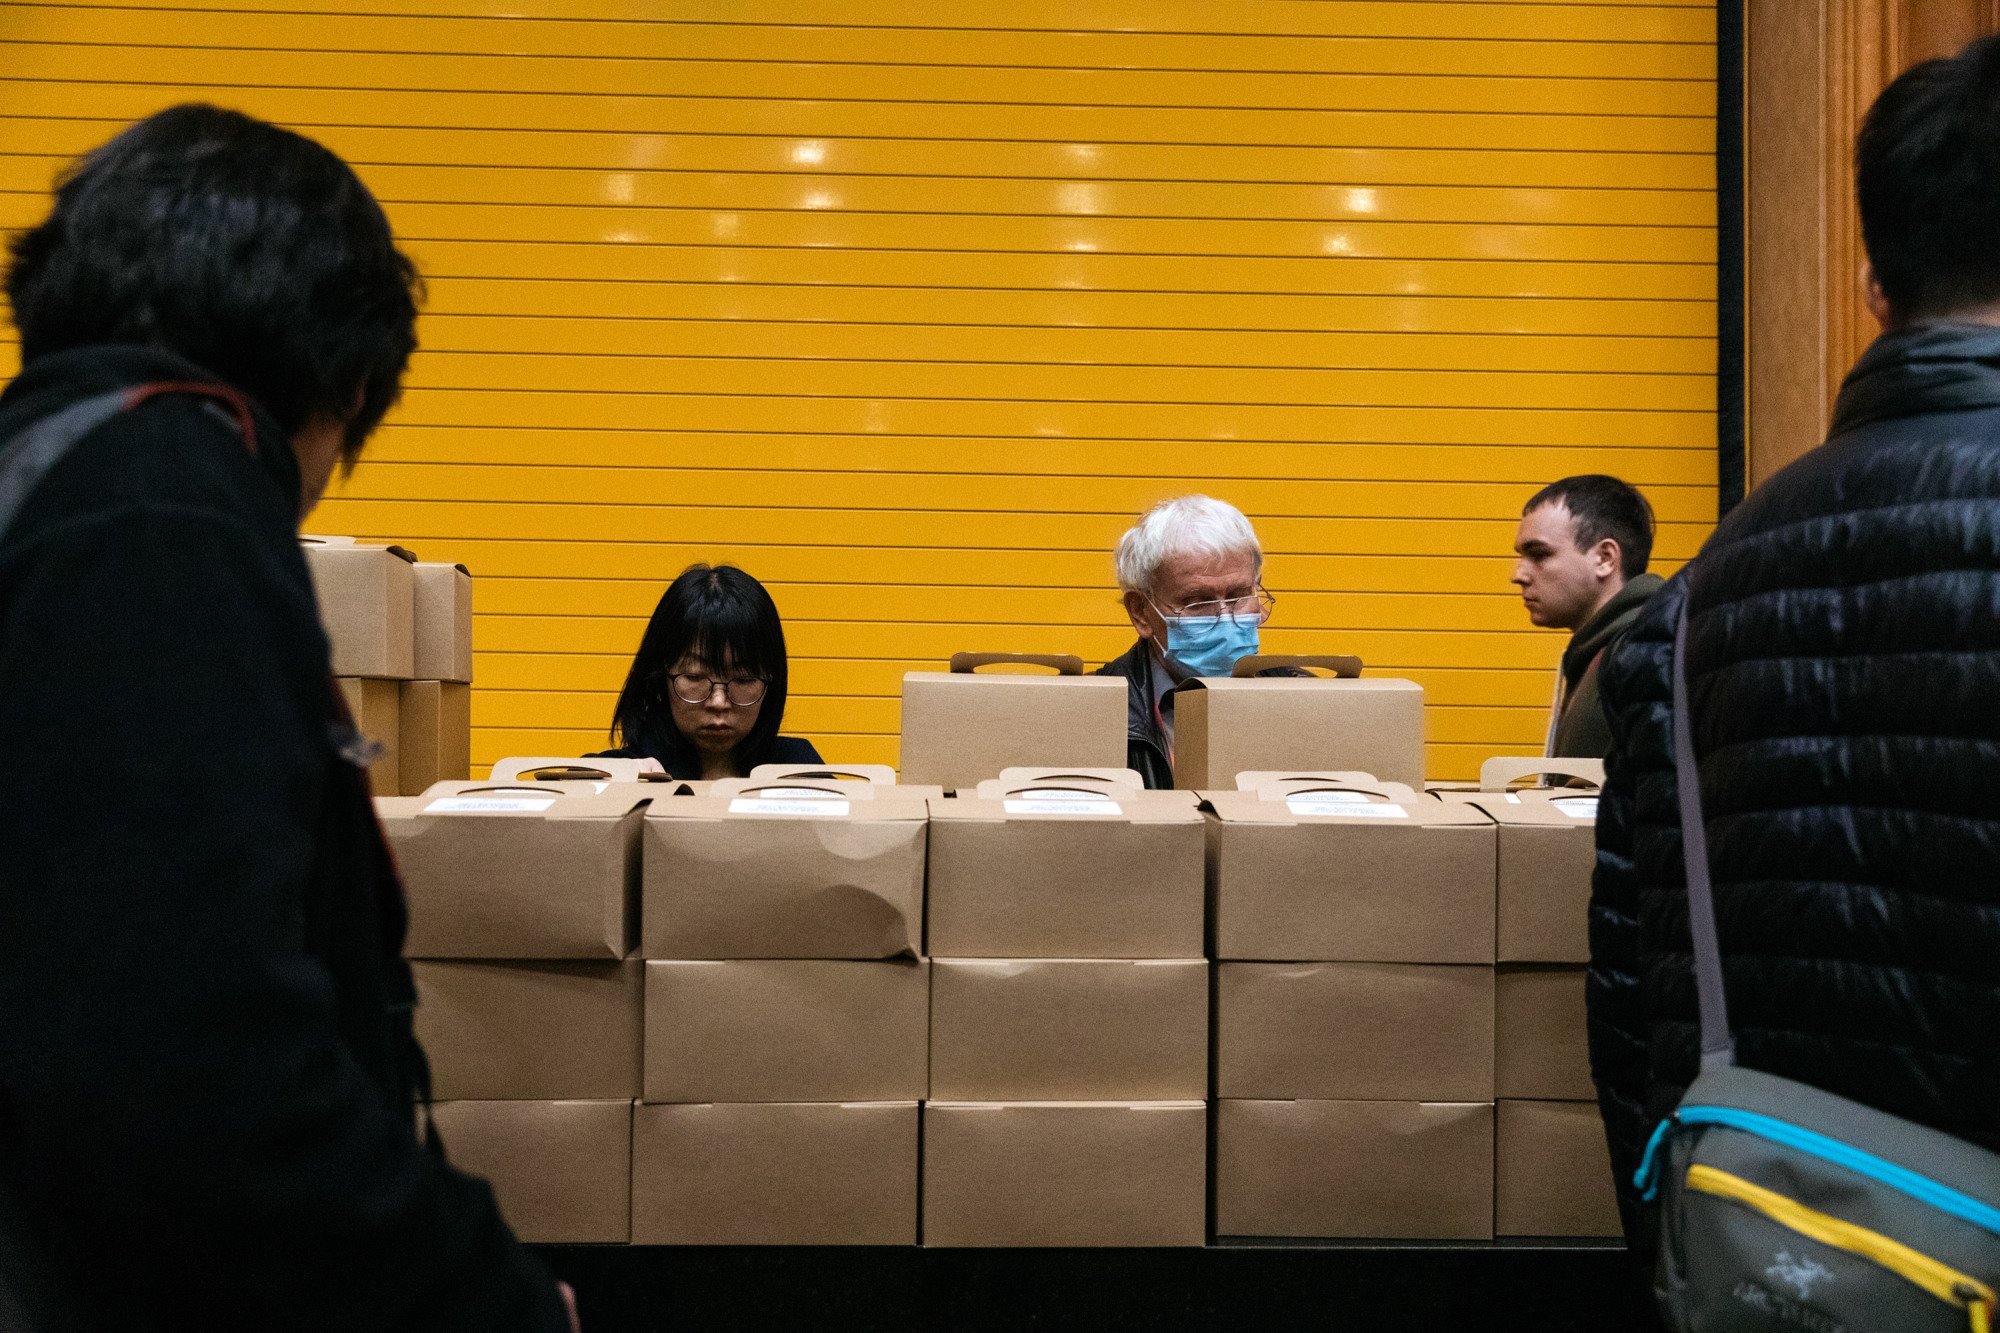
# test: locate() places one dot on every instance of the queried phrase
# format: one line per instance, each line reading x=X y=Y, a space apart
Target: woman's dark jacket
x=684 y=762
x=206 y=1072
x=1844 y=664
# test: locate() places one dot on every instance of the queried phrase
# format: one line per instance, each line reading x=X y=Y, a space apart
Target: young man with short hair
x=1580 y=563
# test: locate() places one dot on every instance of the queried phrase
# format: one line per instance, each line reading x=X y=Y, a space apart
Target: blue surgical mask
x=1209 y=645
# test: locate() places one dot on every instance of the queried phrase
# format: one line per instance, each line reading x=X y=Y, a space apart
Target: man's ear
x=1136 y=608
x=1878 y=302
x=1606 y=560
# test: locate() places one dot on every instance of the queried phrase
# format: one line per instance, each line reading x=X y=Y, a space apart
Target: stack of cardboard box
x=786 y=1016
x=1069 y=1015
x=1354 y=1020
x=523 y=913
x=401 y=634
x=1554 y=1172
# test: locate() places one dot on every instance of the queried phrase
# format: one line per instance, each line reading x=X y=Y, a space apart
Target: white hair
x=1186 y=525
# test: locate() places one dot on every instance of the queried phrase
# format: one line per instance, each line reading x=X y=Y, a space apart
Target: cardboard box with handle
x=961 y=727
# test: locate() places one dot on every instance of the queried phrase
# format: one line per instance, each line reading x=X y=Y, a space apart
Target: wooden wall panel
x=1813 y=68
x=910 y=308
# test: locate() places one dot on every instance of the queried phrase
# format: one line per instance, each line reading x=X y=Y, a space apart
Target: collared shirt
x=1163 y=703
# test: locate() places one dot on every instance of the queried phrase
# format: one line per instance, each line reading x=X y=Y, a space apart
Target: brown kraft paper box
x=1223 y=727
x=547 y=870
x=1541 y=1048
x=960 y=728
x=799 y=1030
x=775 y=1174
x=377 y=710
x=562 y=1170
x=1287 y=884
x=528 y=1031
x=1547 y=851
x=1389 y=1170
x=435 y=734
x=1354 y=1032
x=1069 y=1030
x=1553 y=1171
x=1018 y=877
x=442 y=599
x=367 y=602
x=1083 y=1174
x=741 y=874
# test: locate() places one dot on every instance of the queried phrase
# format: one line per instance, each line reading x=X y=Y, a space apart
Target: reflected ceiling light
x=811 y=153
x=1083 y=152
x=1336 y=243
x=620 y=187
x=1081 y=245
x=819 y=199
x=1078 y=198
x=726 y=224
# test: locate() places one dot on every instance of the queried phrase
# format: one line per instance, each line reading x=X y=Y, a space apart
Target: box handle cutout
x=1063 y=664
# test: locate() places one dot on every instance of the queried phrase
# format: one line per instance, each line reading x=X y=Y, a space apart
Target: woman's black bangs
x=728 y=631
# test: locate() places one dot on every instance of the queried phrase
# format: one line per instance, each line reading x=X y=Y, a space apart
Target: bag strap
x=31 y=455
x=1718 y=1048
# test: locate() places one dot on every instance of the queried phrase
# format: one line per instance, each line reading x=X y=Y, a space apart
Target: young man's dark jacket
x=1844 y=663
x=1582 y=731
x=206 y=1073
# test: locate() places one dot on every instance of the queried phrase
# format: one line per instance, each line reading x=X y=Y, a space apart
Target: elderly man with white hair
x=1190 y=572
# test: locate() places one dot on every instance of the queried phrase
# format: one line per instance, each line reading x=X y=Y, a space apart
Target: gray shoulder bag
x=1786 y=1207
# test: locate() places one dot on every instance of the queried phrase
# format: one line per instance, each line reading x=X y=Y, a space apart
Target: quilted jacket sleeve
x=1637 y=695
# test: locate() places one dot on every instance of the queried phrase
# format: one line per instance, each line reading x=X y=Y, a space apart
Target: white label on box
x=488 y=805
x=1577 y=807
x=1065 y=805
x=748 y=805
x=1312 y=804
x=1341 y=803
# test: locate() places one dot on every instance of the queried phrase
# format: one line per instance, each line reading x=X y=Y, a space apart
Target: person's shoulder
x=1126 y=664
x=794 y=750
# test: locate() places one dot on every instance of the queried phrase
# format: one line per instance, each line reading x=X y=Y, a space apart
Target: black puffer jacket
x=1844 y=668
x=206 y=1073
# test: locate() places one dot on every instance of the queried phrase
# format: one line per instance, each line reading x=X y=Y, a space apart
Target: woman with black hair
x=706 y=693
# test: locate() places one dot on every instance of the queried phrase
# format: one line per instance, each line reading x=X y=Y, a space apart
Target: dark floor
x=1548 y=1289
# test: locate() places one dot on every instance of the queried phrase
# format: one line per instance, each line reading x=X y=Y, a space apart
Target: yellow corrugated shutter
x=909 y=308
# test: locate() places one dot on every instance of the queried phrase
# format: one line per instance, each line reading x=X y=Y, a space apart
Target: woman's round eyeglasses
x=741 y=691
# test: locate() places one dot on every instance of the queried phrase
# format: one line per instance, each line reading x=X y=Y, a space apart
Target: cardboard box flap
x=539 y=800
x=1243 y=807
x=1252 y=779
x=876 y=773
x=747 y=798
x=1500 y=773
x=1044 y=776
x=995 y=803
x=563 y=768
x=1063 y=664
x=1037 y=1105
x=400 y=552
x=1308 y=791
x=1538 y=809
x=1344 y=668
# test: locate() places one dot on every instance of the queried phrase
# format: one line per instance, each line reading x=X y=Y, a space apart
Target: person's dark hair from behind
x=206 y=232
x=724 y=619
x=1927 y=179
x=1604 y=507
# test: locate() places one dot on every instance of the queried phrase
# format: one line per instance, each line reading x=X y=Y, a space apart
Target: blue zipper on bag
x=1921 y=1188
